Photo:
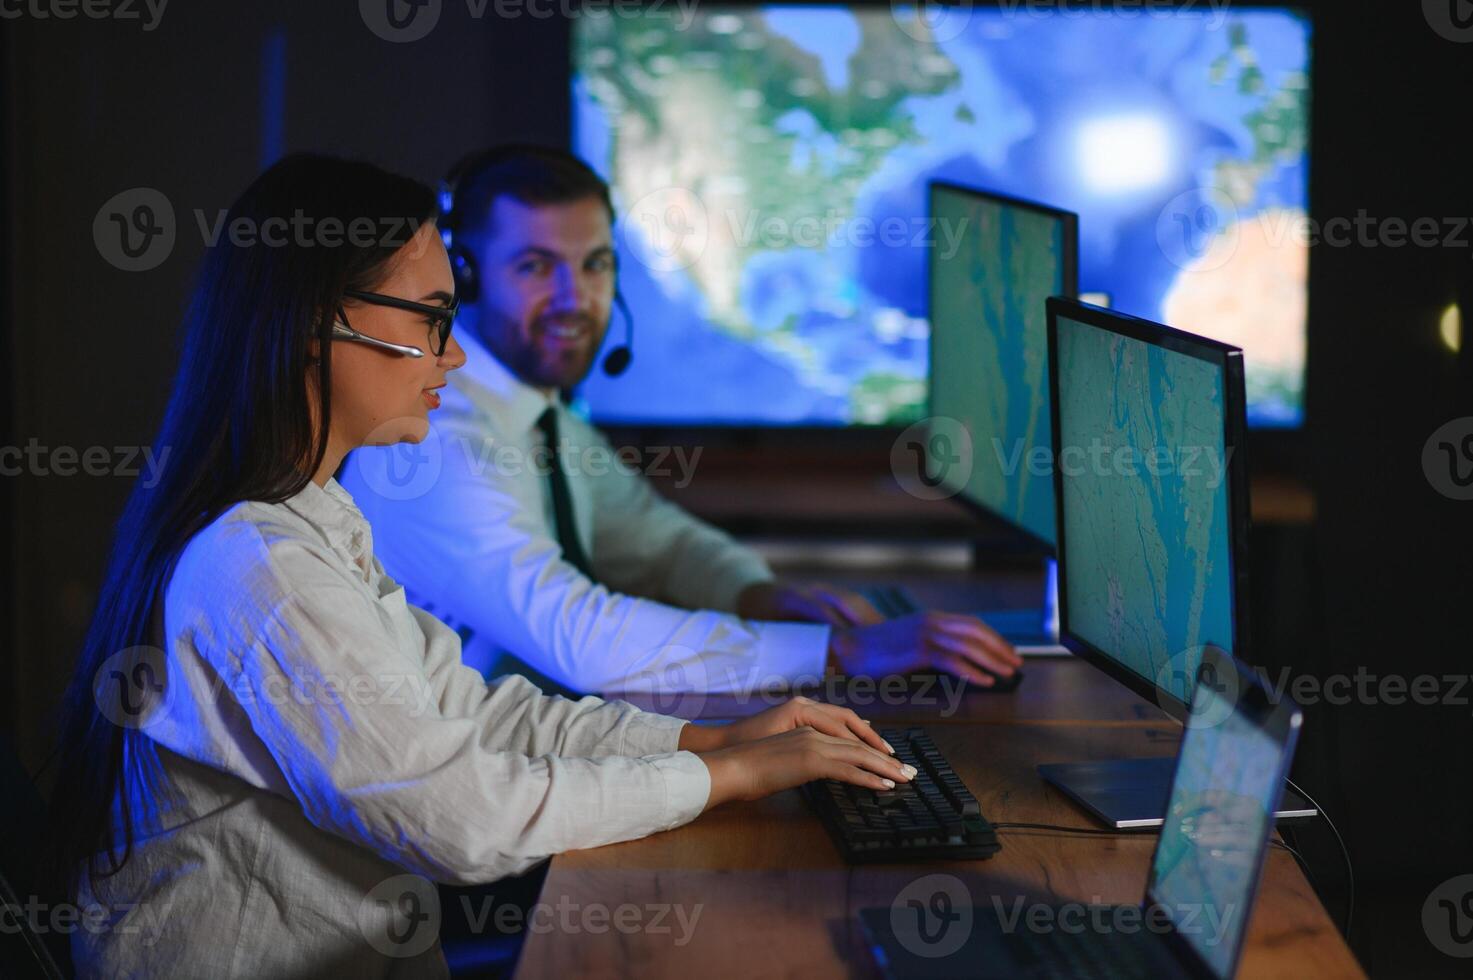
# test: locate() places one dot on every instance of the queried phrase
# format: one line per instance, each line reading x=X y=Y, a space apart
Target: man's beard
x=534 y=365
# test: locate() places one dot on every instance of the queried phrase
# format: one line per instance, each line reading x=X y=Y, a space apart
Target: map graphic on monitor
x=1146 y=518
x=989 y=348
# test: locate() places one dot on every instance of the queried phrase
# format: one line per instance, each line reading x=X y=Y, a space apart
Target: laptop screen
x=1228 y=780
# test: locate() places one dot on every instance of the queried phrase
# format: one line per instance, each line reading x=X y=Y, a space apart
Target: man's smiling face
x=547 y=286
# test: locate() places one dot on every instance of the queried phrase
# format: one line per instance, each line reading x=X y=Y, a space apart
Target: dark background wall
x=1391 y=555
x=194 y=108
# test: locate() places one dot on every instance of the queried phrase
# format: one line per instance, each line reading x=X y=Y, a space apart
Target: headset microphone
x=617 y=360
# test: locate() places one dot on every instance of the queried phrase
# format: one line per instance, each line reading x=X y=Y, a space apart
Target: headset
x=463 y=262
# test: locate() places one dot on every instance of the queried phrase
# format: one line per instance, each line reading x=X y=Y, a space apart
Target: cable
x=1344 y=852
x=1066 y=830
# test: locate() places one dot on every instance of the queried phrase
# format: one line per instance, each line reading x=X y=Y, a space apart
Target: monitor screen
x=989 y=345
x=1229 y=776
x=1149 y=524
x=769 y=166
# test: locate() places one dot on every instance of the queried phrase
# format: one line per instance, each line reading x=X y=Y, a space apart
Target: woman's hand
x=752 y=770
x=799 y=712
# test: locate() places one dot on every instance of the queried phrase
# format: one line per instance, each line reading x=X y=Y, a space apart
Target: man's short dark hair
x=531 y=174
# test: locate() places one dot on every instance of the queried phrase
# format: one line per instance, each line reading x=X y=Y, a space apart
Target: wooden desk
x=1055 y=691
x=764 y=893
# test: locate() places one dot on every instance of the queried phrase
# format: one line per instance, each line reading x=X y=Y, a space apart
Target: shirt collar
x=491 y=387
x=331 y=510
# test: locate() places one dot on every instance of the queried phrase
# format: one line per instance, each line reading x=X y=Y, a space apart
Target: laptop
x=1230 y=774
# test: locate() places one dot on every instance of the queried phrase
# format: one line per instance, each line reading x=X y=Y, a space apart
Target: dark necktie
x=562 y=499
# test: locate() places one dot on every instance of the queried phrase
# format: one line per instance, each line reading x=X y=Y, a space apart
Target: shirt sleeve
x=643 y=543
x=482 y=553
x=519 y=718
x=415 y=758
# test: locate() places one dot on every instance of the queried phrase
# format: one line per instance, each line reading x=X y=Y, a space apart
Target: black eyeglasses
x=442 y=318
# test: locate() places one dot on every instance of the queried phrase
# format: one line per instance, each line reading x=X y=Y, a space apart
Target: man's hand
x=960 y=645
x=817 y=603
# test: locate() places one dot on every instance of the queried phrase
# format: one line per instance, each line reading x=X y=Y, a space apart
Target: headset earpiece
x=463 y=268
x=462 y=262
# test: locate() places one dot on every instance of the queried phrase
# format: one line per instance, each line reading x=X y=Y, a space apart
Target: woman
x=261 y=734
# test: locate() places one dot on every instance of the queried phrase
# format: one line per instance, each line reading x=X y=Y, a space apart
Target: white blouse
x=315 y=738
x=465 y=521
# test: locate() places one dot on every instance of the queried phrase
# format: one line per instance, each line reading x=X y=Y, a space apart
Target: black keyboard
x=993 y=947
x=934 y=816
x=1101 y=954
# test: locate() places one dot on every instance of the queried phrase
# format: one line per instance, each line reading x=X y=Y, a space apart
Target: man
x=515 y=522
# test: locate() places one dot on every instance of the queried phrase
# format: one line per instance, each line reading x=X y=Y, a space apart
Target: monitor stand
x=1130 y=794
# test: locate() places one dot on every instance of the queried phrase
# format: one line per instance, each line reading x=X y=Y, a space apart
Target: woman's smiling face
x=379 y=397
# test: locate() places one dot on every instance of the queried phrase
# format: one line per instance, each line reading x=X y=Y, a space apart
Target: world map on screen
x=769 y=166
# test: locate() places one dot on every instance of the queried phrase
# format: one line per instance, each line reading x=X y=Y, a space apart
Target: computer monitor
x=989 y=345
x=769 y=166
x=1151 y=494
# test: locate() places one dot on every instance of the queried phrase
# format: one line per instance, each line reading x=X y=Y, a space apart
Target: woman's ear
x=314 y=350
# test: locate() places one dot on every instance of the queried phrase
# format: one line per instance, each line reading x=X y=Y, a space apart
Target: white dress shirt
x=465 y=521
x=317 y=740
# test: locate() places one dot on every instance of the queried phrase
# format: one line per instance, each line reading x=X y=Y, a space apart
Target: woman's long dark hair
x=239 y=426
